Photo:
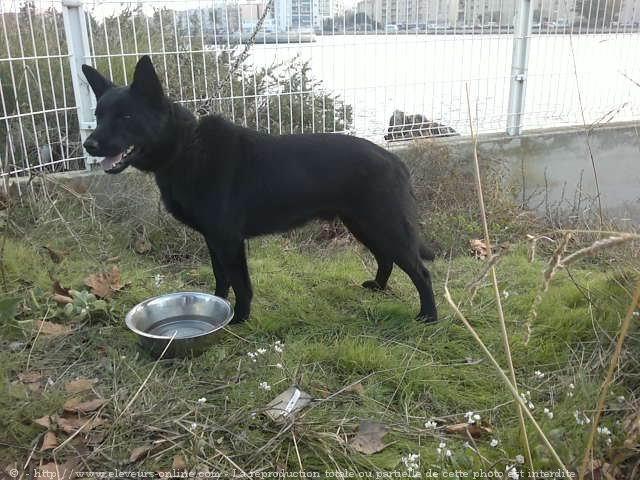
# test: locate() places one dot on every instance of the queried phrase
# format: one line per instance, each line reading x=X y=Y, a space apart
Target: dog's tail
x=426 y=253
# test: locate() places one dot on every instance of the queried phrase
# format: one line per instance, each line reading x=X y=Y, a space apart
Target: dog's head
x=129 y=119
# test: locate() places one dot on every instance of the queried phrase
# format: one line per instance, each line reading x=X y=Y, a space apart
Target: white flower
x=548 y=413
x=194 y=426
x=251 y=355
x=202 y=400
x=581 y=418
x=609 y=441
x=278 y=349
x=512 y=472
x=472 y=417
x=262 y=350
x=279 y=365
x=530 y=405
x=466 y=445
x=158 y=279
x=264 y=386
x=520 y=459
x=430 y=424
x=448 y=453
x=505 y=294
x=538 y=374
x=620 y=399
x=411 y=461
x=278 y=346
x=604 y=431
x=494 y=443
x=572 y=386
x=442 y=445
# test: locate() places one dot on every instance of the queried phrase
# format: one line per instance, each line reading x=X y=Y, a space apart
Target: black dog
x=231 y=183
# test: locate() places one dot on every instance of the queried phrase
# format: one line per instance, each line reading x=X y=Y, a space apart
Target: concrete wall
x=552 y=169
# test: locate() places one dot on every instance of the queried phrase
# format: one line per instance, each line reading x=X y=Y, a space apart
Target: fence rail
x=388 y=70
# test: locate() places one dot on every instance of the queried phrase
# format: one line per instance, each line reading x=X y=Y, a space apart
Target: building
x=483 y=12
x=629 y=12
x=408 y=12
x=250 y=14
x=296 y=14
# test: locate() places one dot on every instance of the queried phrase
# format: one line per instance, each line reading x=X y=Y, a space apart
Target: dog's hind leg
x=411 y=263
x=385 y=265
x=233 y=259
x=222 y=284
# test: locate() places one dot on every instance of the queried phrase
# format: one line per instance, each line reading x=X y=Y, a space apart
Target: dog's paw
x=240 y=314
x=427 y=318
x=372 y=285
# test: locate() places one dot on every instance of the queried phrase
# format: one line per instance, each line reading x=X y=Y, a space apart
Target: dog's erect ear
x=146 y=82
x=98 y=83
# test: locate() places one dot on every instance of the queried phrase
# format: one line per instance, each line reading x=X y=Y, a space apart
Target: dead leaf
x=140 y=452
x=50 y=328
x=44 y=421
x=56 y=255
x=30 y=377
x=76 y=405
x=73 y=424
x=105 y=284
x=474 y=429
x=80 y=385
x=369 y=438
x=50 y=442
x=141 y=243
x=179 y=463
x=94 y=439
x=58 y=289
x=61 y=299
x=357 y=388
x=479 y=248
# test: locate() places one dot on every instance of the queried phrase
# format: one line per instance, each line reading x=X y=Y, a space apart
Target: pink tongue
x=109 y=162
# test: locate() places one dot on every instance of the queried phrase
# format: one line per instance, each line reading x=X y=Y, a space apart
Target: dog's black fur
x=231 y=183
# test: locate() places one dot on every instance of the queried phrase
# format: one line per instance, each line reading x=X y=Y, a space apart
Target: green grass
x=335 y=333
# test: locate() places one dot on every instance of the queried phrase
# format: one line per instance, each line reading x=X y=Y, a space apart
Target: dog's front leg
x=233 y=259
x=222 y=283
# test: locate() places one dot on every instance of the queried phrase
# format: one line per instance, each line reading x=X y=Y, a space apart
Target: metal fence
x=388 y=70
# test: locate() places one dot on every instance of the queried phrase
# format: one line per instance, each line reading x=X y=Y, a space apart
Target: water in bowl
x=183 y=326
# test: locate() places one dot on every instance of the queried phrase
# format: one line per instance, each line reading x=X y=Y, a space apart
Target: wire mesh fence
x=387 y=70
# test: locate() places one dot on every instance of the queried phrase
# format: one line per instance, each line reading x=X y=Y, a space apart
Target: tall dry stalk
x=496 y=290
x=604 y=389
x=505 y=379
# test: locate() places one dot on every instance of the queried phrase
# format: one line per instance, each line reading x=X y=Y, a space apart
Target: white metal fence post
x=75 y=28
x=519 y=61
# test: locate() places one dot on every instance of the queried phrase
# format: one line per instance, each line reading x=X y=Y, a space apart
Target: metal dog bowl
x=191 y=318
